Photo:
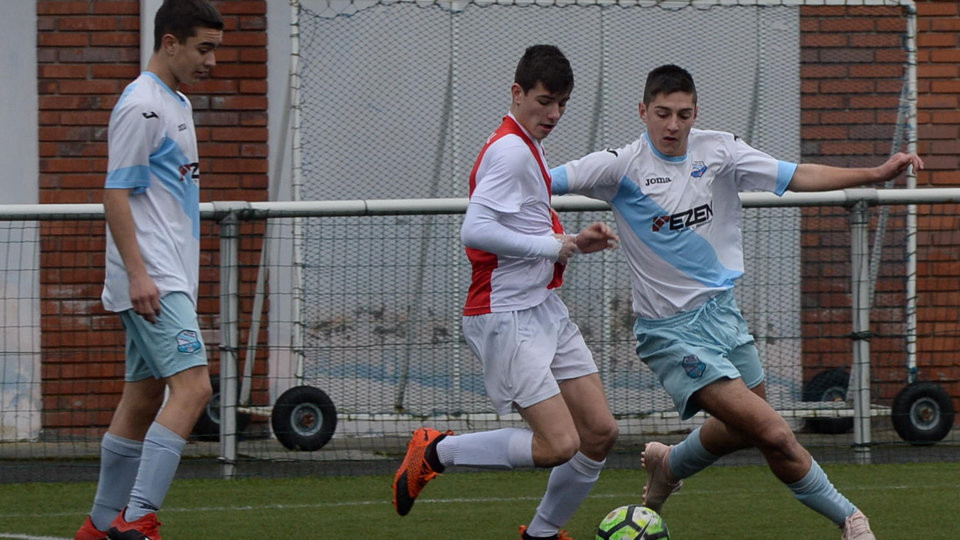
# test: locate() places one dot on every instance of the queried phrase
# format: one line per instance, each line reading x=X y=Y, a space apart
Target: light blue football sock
x=690 y=457
x=158 y=465
x=816 y=491
x=119 y=461
x=567 y=488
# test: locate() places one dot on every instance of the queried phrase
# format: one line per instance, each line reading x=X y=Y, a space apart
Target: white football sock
x=498 y=449
x=567 y=488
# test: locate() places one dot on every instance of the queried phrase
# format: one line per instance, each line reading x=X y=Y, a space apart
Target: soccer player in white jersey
x=534 y=358
x=151 y=202
x=674 y=195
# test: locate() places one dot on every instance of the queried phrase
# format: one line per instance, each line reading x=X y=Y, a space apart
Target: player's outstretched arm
x=813 y=177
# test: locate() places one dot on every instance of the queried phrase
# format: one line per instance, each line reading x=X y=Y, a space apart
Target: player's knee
x=560 y=450
x=193 y=395
x=601 y=437
x=779 y=438
x=201 y=393
x=148 y=406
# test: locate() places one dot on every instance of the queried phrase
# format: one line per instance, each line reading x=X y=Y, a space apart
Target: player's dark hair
x=181 y=19
x=545 y=64
x=667 y=80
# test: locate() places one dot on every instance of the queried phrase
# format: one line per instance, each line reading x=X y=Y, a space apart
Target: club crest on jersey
x=188 y=342
x=699 y=168
x=693 y=366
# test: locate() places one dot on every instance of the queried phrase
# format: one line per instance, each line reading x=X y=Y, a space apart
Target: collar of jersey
x=163 y=85
x=653 y=147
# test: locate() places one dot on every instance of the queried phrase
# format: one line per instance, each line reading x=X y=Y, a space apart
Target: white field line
x=471 y=500
x=30 y=537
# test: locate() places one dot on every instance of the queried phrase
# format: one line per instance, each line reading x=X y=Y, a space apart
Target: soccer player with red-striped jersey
x=534 y=357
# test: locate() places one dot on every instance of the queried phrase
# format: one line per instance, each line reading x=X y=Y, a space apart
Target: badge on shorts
x=187 y=341
x=693 y=366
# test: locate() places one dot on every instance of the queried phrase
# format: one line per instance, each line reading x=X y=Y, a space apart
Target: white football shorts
x=525 y=353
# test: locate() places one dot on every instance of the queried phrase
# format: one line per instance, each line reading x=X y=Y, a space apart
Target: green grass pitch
x=903 y=501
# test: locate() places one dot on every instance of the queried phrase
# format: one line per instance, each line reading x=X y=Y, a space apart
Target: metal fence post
x=229 y=342
x=859 y=386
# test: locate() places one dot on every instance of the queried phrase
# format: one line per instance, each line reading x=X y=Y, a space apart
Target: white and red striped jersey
x=511 y=177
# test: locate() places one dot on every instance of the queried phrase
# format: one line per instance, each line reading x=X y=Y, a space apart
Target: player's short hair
x=545 y=64
x=667 y=80
x=181 y=19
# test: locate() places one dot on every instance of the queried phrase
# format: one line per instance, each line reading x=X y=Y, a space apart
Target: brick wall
x=852 y=64
x=938 y=269
x=87 y=52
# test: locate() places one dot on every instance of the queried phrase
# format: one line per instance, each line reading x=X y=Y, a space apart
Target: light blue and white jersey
x=679 y=217
x=153 y=152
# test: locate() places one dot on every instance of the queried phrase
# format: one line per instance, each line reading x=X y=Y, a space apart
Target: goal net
x=395 y=98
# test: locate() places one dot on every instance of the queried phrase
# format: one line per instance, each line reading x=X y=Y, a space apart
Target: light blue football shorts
x=168 y=347
x=690 y=350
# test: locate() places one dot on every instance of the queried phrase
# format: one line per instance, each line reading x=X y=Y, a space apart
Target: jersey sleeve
x=506 y=166
x=135 y=131
x=596 y=175
x=482 y=230
x=756 y=170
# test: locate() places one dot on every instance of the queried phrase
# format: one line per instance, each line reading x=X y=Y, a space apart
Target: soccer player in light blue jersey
x=675 y=197
x=152 y=208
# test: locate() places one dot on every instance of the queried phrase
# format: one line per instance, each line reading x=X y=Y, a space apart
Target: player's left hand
x=596 y=237
x=899 y=163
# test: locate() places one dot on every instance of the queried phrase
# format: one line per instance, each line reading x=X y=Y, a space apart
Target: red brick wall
x=938 y=269
x=852 y=65
x=87 y=51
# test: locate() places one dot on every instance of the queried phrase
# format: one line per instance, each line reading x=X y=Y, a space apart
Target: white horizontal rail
x=385 y=207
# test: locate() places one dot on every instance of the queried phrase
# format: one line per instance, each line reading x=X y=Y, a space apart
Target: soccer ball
x=632 y=522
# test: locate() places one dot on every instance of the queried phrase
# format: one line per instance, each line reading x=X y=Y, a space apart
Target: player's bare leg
x=571 y=482
x=747 y=413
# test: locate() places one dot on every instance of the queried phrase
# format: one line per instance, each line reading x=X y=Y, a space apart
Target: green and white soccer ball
x=632 y=522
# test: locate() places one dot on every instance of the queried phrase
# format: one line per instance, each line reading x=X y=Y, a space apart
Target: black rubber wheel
x=207 y=427
x=829 y=385
x=922 y=413
x=304 y=418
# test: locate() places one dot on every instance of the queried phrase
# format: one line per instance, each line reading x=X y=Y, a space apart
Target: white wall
x=18 y=102
x=283 y=363
x=19 y=163
x=148 y=10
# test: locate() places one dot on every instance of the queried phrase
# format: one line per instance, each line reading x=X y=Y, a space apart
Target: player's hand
x=899 y=163
x=145 y=297
x=568 y=247
x=596 y=237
